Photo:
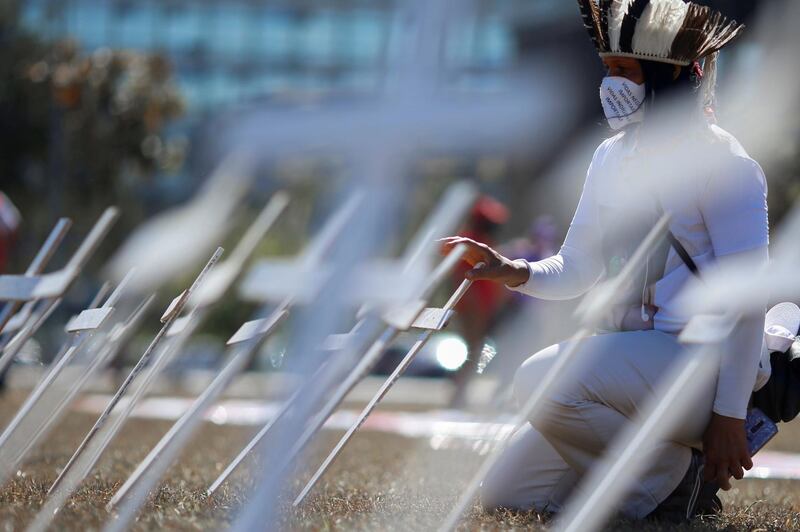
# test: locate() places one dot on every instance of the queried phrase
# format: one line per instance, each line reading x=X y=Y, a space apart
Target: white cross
x=10 y=321
x=379 y=137
x=64 y=379
x=48 y=287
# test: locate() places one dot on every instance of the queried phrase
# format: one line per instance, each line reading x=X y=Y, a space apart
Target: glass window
x=315 y=38
x=89 y=22
x=132 y=25
x=362 y=34
x=182 y=26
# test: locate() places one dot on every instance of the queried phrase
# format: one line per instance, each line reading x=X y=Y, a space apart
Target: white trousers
x=615 y=375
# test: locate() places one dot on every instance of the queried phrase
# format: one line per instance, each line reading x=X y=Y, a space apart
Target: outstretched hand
x=497 y=268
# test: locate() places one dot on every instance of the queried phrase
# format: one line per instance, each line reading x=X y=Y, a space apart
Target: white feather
x=658 y=26
x=616 y=12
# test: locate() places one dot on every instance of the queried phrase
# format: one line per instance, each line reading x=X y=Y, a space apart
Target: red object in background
x=9 y=224
x=484 y=297
x=488 y=209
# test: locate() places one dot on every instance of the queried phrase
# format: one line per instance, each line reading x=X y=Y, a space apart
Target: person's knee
x=520 y=387
x=555 y=409
x=555 y=412
x=529 y=375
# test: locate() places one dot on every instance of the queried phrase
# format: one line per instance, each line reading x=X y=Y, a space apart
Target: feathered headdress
x=669 y=31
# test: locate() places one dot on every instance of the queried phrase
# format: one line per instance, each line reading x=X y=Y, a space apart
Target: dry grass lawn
x=381 y=482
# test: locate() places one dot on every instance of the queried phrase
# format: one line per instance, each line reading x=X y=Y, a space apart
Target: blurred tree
x=80 y=130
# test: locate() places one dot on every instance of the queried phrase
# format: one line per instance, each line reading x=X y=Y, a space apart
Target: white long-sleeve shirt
x=716 y=195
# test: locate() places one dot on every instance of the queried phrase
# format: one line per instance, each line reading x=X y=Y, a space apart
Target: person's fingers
x=447 y=244
x=475 y=251
x=453 y=240
x=747 y=462
x=723 y=477
x=737 y=472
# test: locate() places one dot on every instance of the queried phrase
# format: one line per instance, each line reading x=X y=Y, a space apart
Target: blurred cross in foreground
x=379 y=138
x=418 y=257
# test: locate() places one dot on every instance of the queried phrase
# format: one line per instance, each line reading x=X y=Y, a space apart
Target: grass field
x=381 y=482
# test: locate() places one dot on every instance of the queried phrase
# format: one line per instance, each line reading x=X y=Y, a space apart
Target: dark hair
x=661 y=88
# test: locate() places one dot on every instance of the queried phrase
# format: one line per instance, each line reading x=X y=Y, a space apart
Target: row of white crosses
x=9 y=321
x=40 y=292
x=414 y=315
x=414 y=116
x=208 y=288
x=206 y=291
x=429 y=321
x=269 y=281
x=133 y=493
x=403 y=123
x=94 y=342
x=106 y=427
x=350 y=359
x=243 y=345
x=88 y=349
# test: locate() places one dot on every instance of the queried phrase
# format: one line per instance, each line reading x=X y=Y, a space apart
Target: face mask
x=622 y=101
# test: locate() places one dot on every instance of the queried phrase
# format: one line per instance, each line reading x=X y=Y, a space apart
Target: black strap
x=678 y=247
x=682 y=253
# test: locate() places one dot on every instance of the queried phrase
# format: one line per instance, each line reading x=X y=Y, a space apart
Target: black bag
x=779 y=398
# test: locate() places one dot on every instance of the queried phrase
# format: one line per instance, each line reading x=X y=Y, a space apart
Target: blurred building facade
x=229 y=51
x=233 y=54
